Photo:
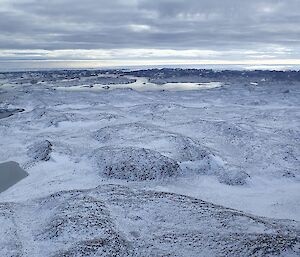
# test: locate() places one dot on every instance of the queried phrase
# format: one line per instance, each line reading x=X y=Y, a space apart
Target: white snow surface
x=233 y=146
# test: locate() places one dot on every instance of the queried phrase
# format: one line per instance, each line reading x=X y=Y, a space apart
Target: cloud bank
x=191 y=30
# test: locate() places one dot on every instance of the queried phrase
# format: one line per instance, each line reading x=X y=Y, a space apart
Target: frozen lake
x=142 y=84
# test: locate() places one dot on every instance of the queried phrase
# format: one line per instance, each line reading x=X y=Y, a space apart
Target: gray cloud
x=231 y=26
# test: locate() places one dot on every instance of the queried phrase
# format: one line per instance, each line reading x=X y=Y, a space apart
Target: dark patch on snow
x=232 y=177
x=4 y=113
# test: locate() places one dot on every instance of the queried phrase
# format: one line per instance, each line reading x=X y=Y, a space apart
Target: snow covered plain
x=151 y=163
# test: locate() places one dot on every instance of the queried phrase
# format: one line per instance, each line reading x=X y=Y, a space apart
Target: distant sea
x=10 y=66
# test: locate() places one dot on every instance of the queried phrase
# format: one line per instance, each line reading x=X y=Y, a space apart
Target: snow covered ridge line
x=157 y=76
x=114 y=220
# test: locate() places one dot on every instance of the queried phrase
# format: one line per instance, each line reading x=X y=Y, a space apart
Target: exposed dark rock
x=134 y=164
x=4 y=113
x=40 y=151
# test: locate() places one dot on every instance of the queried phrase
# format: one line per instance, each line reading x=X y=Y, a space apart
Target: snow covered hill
x=113 y=220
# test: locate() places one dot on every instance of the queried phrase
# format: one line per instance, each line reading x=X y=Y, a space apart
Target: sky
x=129 y=32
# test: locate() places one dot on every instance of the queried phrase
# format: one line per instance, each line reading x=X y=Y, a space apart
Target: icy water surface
x=10 y=174
x=142 y=84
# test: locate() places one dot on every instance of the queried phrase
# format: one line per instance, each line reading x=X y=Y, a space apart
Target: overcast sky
x=159 y=31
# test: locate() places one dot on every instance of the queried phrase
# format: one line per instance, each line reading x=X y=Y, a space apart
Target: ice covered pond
x=142 y=84
x=10 y=174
